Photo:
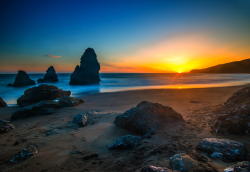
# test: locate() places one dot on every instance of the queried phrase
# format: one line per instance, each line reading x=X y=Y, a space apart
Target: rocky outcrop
x=184 y=163
x=50 y=76
x=147 y=117
x=80 y=119
x=2 y=103
x=22 y=79
x=125 y=142
x=223 y=149
x=88 y=71
x=243 y=166
x=26 y=153
x=152 y=168
x=5 y=126
x=39 y=93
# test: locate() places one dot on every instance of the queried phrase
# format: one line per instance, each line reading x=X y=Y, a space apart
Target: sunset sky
x=128 y=35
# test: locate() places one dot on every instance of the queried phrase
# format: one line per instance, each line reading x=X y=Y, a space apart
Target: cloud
x=53 y=56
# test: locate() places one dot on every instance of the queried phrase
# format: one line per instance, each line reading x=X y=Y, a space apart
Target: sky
x=127 y=35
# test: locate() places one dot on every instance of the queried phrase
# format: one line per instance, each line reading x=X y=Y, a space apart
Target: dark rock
x=5 y=126
x=24 y=154
x=81 y=119
x=2 y=103
x=22 y=79
x=39 y=93
x=50 y=76
x=227 y=150
x=69 y=101
x=90 y=156
x=147 y=117
x=125 y=142
x=243 y=166
x=88 y=71
x=184 y=163
x=152 y=168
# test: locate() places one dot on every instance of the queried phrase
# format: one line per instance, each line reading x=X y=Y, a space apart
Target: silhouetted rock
x=228 y=150
x=184 y=163
x=88 y=71
x=152 y=168
x=39 y=93
x=22 y=79
x=67 y=101
x=81 y=119
x=5 y=126
x=2 y=103
x=24 y=154
x=243 y=166
x=125 y=142
x=50 y=76
x=147 y=117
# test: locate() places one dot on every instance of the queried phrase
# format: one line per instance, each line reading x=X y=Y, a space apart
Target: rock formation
x=50 y=76
x=88 y=71
x=147 y=117
x=22 y=79
x=2 y=103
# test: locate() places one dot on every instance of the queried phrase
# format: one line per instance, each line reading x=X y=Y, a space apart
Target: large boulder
x=152 y=168
x=22 y=79
x=5 y=126
x=50 y=76
x=243 y=166
x=39 y=93
x=184 y=163
x=125 y=142
x=88 y=71
x=2 y=103
x=147 y=117
x=224 y=149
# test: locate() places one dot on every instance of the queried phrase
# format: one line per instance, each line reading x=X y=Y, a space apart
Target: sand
x=85 y=149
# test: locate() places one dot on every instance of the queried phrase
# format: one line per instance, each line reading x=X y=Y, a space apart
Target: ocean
x=111 y=82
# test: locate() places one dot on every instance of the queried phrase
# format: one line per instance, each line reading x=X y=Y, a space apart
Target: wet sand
x=85 y=149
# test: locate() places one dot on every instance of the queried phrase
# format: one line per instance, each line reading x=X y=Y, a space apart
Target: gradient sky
x=128 y=35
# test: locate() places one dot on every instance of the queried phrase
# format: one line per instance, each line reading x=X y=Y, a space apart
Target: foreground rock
x=223 y=149
x=147 y=117
x=2 y=103
x=152 y=168
x=88 y=71
x=26 y=153
x=125 y=142
x=50 y=76
x=81 y=119
x=184 y=163
x=5 y=126
x=22 y=79
x=45 y=107
x=239 y=167
x=39 y=93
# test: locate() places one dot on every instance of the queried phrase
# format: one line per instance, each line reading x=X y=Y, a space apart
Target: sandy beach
x=85 y=149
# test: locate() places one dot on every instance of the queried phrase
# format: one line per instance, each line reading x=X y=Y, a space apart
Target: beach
x=85 y=149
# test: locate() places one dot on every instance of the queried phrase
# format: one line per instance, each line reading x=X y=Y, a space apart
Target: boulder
x=22 y=79
x=2 y=103
x=224 y=149
x=68 y=101
x=152 y=168
x=125 y=142
x=26 y=153
x=80 y=119
x=5 y=126
x=39 y=93
x=184 y=163
x=88 y=71
x=243 y=166
x=50 y=76
x=147 y=117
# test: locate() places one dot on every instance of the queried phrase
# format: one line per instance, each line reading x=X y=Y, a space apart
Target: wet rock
x=152 y=168
x=243 y=166
x=2 y=103
x=39 y=93
x=6 y=126
x=228 y=150
x=147 y=117
x=81 y=119
x=125 y=142
x=22 y=79
x=24 y=154
x=88 y=71
x=50 y=76
x=184 y=163
x=68 y=101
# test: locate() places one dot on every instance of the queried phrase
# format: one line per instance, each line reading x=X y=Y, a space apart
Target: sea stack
x=22 y=79
x=88 y=71
x=50 y=76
